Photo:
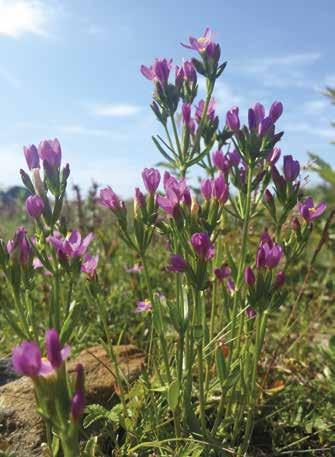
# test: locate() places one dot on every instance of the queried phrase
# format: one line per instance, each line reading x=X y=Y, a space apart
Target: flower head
x=27 y=360
x=177 y=264
x=210 y=110
x=249 y=276
x=200 y=44
x=89 y=265
x=34 y=206
x=143 y=306
x=276 y=111
x=223 y=272
x=202 y=245
x=19 y=248
x=109 y=199
x=159 y=71
x=151 y=178
x=291 y=168
x=32 y=157
x=232 y=119
x=221 y=161
x=309 y=211
x=268 y=253
x=220 y=189
x=55 y=352
x=50 y=152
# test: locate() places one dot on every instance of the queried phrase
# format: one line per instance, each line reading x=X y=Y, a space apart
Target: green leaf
x=161 y=150
x=173 y=395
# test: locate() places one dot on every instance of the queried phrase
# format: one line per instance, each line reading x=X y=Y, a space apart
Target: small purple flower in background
x=230 y=286
x=206 y=188
x=177 y=264
x=210 y=110
x=309 y=211
x=202 y=245
x=19 y=248
x=187 y=119
x=234 y=157
x=27 y=360
x=109 y=199
x=280 y=279
x=78 y=399
x=232 y=119
x=200 y=44
x=151 y=178
x=143 y=306
x=34 y=206
x=221 y=161
x=139 y=200
x=223 y=272
x=159 y=71
x=190 y=74
x=32 y=157
x=250 y=312
x=55 y=352
x=276 y=111
x=274 y=156
x=50 y=152
x=37 y=264
x=136 y=268
x=220 y=189
x=249 y=276
x=89 y=265
x=291 y=168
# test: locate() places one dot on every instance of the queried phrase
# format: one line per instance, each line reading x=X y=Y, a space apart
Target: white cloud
x=81 y=130
x=115 y=110
x=18 y=17
x=316 y=106
x=311 y=129
x=282 y=71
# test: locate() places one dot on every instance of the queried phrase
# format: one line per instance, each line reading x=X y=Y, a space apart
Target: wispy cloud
x=282 y=71
x=19 y=17
x=115 y=109
x=311 y=129
x=315 y=106
x=81 y=130
x=10 y=78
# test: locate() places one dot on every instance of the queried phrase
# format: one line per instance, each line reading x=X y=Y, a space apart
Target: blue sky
x=70 y=69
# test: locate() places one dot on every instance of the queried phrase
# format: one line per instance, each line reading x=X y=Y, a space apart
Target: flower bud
x=232 y=119
x=249 y=276
x=34 y=206
x=280 y=279
x=31 y=155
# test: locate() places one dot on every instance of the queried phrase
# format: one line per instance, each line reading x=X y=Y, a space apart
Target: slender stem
x=203 y=117
x=175 y=131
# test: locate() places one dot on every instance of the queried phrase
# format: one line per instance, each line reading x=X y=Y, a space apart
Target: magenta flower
x=19 y=248
x=187 y=119
x=137 y=268
x=190 y=75
x=266 y=126
x=232 y=119
x=32 y=157
x=27 y=360
x=202 y=245
x=221 y=161
x=200 y=44
x=89 y=265
x=206 y=188
x=71 y=246
x=175 y=191
x=109 y=199
x=78 y=399
x=55 y=352
x=276 y=111
x=250 y=312
x=309 y=211
x=50 y=152
x=259 y=111
x=77 y=405
x=268 y=253
x=210 y=110
x=34 y=206
x=159 y=71
x=223 y=272
x=177 y=264
x=274 y=156
x=220 y=189
x=291 y=168
x=151 y=178
x=143 y=306
x=234 y=157
x=249 y=276
x=280 y=279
